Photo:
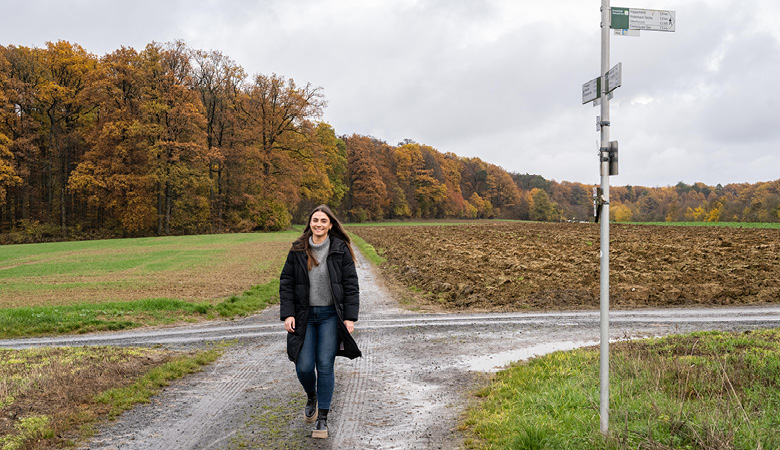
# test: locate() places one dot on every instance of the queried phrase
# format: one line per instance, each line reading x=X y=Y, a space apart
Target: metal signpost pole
x=627 y=22
x=604 y=157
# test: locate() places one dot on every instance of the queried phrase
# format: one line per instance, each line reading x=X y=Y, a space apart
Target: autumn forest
x=173 y=140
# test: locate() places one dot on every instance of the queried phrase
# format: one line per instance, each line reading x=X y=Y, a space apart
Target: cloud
x=498 y=79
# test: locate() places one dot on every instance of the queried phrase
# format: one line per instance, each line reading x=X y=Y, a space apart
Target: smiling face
x=320 y=225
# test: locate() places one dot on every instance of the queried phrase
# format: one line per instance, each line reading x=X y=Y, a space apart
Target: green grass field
x=122 y=283
x=709 y=224
x=118 y=263
x=708 y=390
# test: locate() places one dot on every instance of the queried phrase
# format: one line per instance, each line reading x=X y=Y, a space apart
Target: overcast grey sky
x=501 y=80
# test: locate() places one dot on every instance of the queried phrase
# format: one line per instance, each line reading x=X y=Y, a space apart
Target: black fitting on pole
x=604 y=154
x=613 y=157
x=610 y=155
x=598 y=202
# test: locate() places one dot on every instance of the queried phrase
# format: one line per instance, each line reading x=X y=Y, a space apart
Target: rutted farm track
x=517 y=266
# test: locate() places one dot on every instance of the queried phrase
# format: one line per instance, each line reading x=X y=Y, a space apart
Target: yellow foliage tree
x=483 y=208
x=542 y=209
x=7 y=173
x=620 y=213
x=696 y=215
x=714 y=215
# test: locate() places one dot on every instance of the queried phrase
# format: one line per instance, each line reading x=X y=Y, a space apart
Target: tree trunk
x=160 y=210
x=219 y=200
x=49 y=169
x=25 y=207
x=212 y=200
x=63 y=192
x=168 y=206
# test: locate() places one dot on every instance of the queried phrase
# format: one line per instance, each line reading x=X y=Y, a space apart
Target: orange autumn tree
x=21 y=72
x=324 y=171
x=171 y=140
x=420 y=179
x=65 y=97
x=7 y=173
x=279 y=129
x=148 y=148
x=116 y=173
x=453 y=204
x=218 y=81
x=501 y=191
x=367 y=196
x=177 y=126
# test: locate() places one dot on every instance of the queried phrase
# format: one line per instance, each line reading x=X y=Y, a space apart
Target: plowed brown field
x=514 y=266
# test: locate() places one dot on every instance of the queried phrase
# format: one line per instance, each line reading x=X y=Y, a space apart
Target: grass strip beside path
x=368 y=250
x=713 y=390
x=89 y=317
x=53 y=397
x=121 y=399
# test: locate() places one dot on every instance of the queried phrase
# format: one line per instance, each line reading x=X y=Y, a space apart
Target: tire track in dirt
x=193 y=414
x=350 y=405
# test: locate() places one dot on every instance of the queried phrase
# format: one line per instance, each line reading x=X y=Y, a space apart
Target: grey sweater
x=319 y=278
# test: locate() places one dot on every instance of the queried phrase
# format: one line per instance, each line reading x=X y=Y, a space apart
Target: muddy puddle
x=497 y=361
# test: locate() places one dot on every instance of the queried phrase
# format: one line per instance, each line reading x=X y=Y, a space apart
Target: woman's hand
x=350 y=326
x=289 y=324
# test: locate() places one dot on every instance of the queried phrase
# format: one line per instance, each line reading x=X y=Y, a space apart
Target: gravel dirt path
x=407 y=392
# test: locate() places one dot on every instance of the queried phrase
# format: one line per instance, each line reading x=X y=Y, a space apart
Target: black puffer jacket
x=294 y=295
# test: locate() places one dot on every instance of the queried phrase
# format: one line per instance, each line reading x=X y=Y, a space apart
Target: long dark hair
x=336 y=230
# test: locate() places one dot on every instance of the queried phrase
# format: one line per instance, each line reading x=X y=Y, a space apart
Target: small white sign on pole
x=651 y=19
x=591 y=90
x=632 y=33
x=615 y=77
x=598 y=100
x=642 y=19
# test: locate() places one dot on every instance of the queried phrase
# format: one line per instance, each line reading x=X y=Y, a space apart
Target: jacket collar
x=336 y=246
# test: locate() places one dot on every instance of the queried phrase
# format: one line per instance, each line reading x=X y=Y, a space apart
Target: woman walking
x=319 y=301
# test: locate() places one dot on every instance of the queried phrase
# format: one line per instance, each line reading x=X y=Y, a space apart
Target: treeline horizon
x=174 y=140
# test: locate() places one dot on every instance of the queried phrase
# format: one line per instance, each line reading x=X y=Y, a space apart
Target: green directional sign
x=619 y=18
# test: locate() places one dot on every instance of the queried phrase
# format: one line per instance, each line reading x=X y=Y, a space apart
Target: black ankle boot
x=321 y=426
x=310 y=411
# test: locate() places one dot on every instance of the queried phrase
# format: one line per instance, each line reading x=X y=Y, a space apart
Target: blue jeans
x=319 y=351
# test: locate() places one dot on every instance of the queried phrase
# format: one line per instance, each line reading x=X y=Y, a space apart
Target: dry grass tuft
x=44 y=392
